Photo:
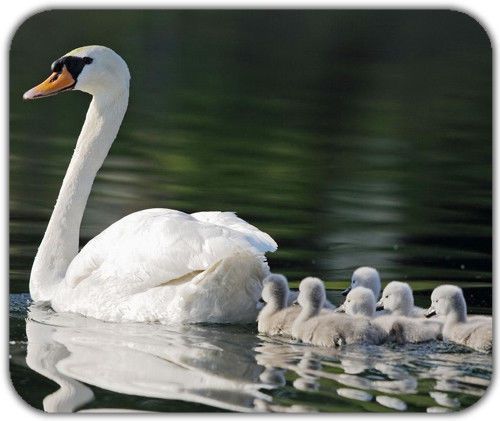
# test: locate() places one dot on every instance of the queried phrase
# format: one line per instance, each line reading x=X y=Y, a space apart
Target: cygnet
x=360 y=302
x=367 y=277
x=397 y=299
x=277 y=317
x=448 y=301
x=330 y=329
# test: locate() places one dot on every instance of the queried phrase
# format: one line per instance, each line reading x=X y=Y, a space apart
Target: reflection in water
x=196 y=364
x=232 y=368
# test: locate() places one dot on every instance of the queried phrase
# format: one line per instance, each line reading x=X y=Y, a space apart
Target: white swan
x=332 y=329
x=360 y=302
x=153 y=265
x=397 y=299
x=367 y=277
x=448 y=301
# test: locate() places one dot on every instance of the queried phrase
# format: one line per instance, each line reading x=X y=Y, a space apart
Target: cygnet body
x=448 y=301
x=330 y=329
x=277 y=316
x=360 y=302
x=397 y=299
x=367 y=277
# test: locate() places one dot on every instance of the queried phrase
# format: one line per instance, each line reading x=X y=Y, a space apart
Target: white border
x=13 y=13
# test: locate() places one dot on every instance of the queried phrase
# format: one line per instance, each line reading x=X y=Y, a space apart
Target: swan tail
x=227 y=292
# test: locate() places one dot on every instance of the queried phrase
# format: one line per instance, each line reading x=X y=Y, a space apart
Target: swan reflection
x=191 y=363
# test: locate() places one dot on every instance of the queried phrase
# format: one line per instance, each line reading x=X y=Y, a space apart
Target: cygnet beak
x=340 y=309
x=431 y=312
x=379 y=306
x=346 y=291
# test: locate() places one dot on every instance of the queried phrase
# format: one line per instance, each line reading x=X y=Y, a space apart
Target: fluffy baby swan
x=360 y=302
x=276 y=318
x=279 y=313
x=367 y=277
x=448 y=301
x=331 y=329
x=397 y=299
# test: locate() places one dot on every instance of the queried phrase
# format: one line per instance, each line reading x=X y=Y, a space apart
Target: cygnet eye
x=386 y=296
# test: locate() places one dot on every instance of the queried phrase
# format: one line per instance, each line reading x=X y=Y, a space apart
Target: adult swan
x=152 y=265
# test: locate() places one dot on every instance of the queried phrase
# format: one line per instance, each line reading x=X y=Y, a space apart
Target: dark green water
x=352 y=137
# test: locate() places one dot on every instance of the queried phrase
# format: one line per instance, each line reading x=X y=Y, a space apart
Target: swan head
x=312 y=293
x=397 y=297
x=275 y=290
x=367 y=277
x=359 y=302
x=447 y=299
x=94 y=69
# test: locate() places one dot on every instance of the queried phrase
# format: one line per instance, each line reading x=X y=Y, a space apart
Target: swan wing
x=258 y=239
x=156 y=246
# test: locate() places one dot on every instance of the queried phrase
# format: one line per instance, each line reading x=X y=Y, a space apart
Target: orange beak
x=54 y=84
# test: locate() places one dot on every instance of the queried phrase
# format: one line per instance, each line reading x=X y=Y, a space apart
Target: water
x=352 y=137
x=93 y=365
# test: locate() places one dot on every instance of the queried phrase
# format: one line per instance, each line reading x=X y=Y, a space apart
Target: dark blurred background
x=352 y=137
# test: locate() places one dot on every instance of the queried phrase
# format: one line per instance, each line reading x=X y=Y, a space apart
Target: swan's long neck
x=61 y=240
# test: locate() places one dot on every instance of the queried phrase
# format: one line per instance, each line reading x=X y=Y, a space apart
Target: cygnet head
x=94 y=69
x=312 y=294
x=448 y=300
x=367 y=277
x=360 y=302
x=397 y=298
x=275 y=290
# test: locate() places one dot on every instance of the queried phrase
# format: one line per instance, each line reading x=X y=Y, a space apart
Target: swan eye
x=73 y=64
x=57 y=66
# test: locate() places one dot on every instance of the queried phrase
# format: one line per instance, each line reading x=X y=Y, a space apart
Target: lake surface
x=352 y=137
x=98 y=366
